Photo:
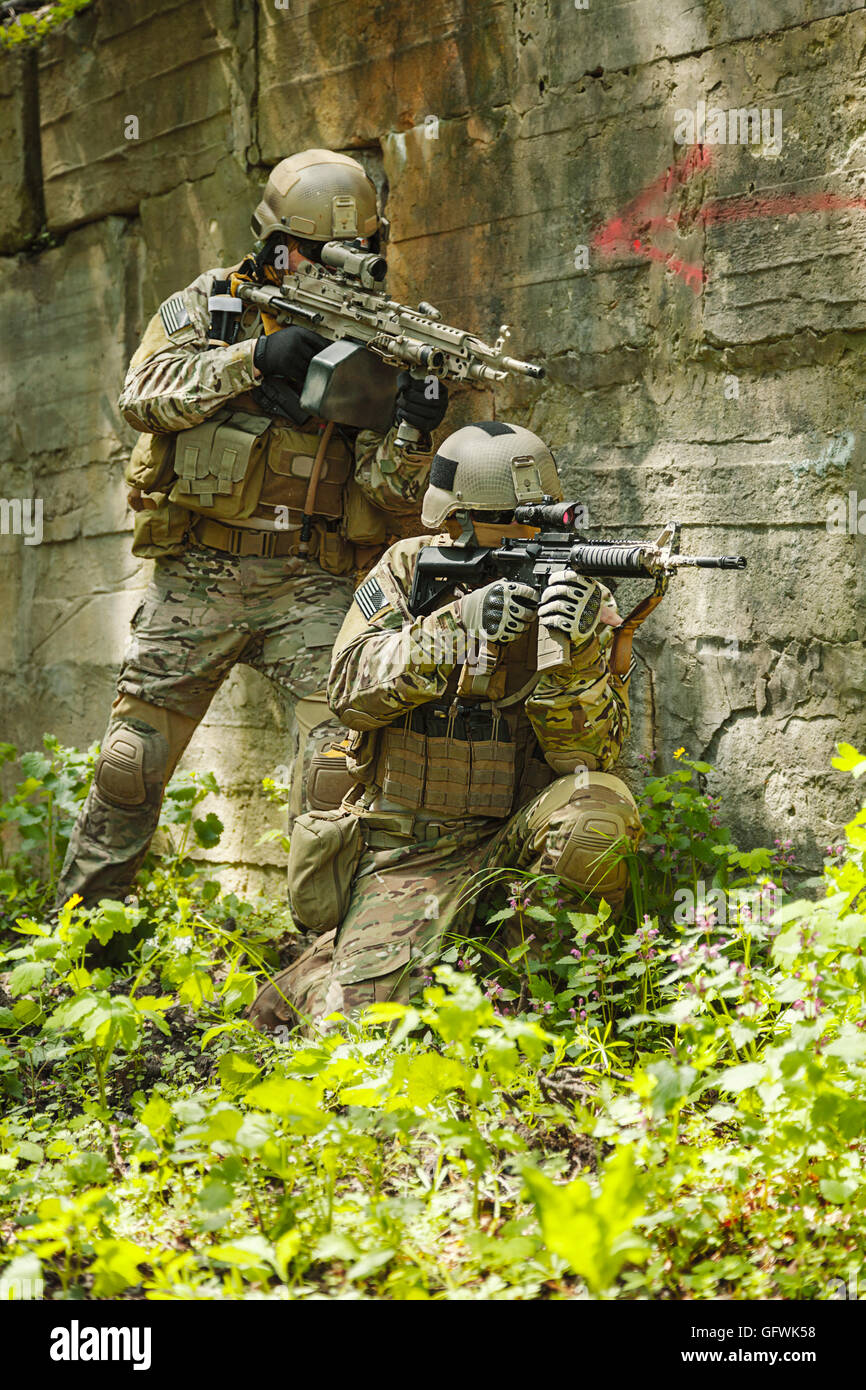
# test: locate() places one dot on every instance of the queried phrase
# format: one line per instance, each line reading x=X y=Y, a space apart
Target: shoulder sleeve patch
x=370 y=598
x=176 y=320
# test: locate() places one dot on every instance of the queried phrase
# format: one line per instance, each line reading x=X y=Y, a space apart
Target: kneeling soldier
x=450 y=782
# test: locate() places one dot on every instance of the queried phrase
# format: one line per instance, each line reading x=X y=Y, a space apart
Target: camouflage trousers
x=408 y=896
x=203 y=612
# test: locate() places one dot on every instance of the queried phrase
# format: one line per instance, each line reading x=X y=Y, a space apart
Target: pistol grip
x=554 y=649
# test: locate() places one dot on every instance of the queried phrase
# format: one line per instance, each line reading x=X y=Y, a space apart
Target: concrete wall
x=700 y=312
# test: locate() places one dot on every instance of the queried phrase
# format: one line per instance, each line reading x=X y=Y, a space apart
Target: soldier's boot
x=293 y=996
x=141 y=748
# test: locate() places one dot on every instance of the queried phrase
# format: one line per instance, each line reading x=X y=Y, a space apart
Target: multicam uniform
x=450 y=787
x=220 y=489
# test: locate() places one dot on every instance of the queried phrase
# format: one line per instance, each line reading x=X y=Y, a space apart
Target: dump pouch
x=324 y=850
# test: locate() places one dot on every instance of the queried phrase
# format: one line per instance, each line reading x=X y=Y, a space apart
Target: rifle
x=558 y=545
x=354 y=380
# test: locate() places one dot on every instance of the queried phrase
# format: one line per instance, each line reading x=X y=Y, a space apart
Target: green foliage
x=36 y=821
x=595 y=1234
x=30 y=29
x=576 y=1106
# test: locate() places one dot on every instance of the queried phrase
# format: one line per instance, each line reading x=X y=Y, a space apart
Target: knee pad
x=328 y=780
x=320 y=778
x=131 y=767
x=590 y=821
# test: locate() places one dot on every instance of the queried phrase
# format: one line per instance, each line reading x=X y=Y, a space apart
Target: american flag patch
x=174 y=314
x=370 y=598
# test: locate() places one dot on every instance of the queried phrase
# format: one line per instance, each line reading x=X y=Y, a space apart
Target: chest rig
x=459 y=757
x=239 y=465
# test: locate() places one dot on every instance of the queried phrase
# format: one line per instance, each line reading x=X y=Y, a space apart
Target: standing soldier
x=450 y=782
x=220 y=482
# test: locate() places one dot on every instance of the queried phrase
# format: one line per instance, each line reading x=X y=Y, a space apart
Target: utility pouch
x=401 y=765
x=151 y=463
x=361 y=752
x=160 y=528
x=335 y=555
x=364 y=523
x=324 y=850
x=291 y=456
x=213 y=461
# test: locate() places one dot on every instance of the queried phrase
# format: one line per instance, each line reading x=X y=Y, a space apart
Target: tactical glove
x=572 y=604
x=502 y=611
x=288 y=353
x=413 y=405
x=274 y=396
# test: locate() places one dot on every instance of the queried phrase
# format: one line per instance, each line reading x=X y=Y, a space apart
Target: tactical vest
x=455 y=757
x=241 y=468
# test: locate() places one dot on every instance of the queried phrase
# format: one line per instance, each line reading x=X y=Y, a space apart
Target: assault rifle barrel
x=635 y=561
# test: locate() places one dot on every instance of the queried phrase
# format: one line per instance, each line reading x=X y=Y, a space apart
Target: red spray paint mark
x=649 y=212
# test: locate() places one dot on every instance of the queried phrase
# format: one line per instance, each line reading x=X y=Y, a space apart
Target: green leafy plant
x=30 y=29
x=655 y=1104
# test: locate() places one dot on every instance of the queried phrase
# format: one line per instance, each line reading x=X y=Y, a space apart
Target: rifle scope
x=349 y=256
x=550 y=516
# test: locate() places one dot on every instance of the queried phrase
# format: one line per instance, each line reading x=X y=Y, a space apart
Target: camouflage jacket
x=385 y=663
x=176 y=380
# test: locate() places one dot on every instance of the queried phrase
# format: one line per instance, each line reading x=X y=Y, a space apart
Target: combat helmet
x=489 y=467
x=317 y=195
